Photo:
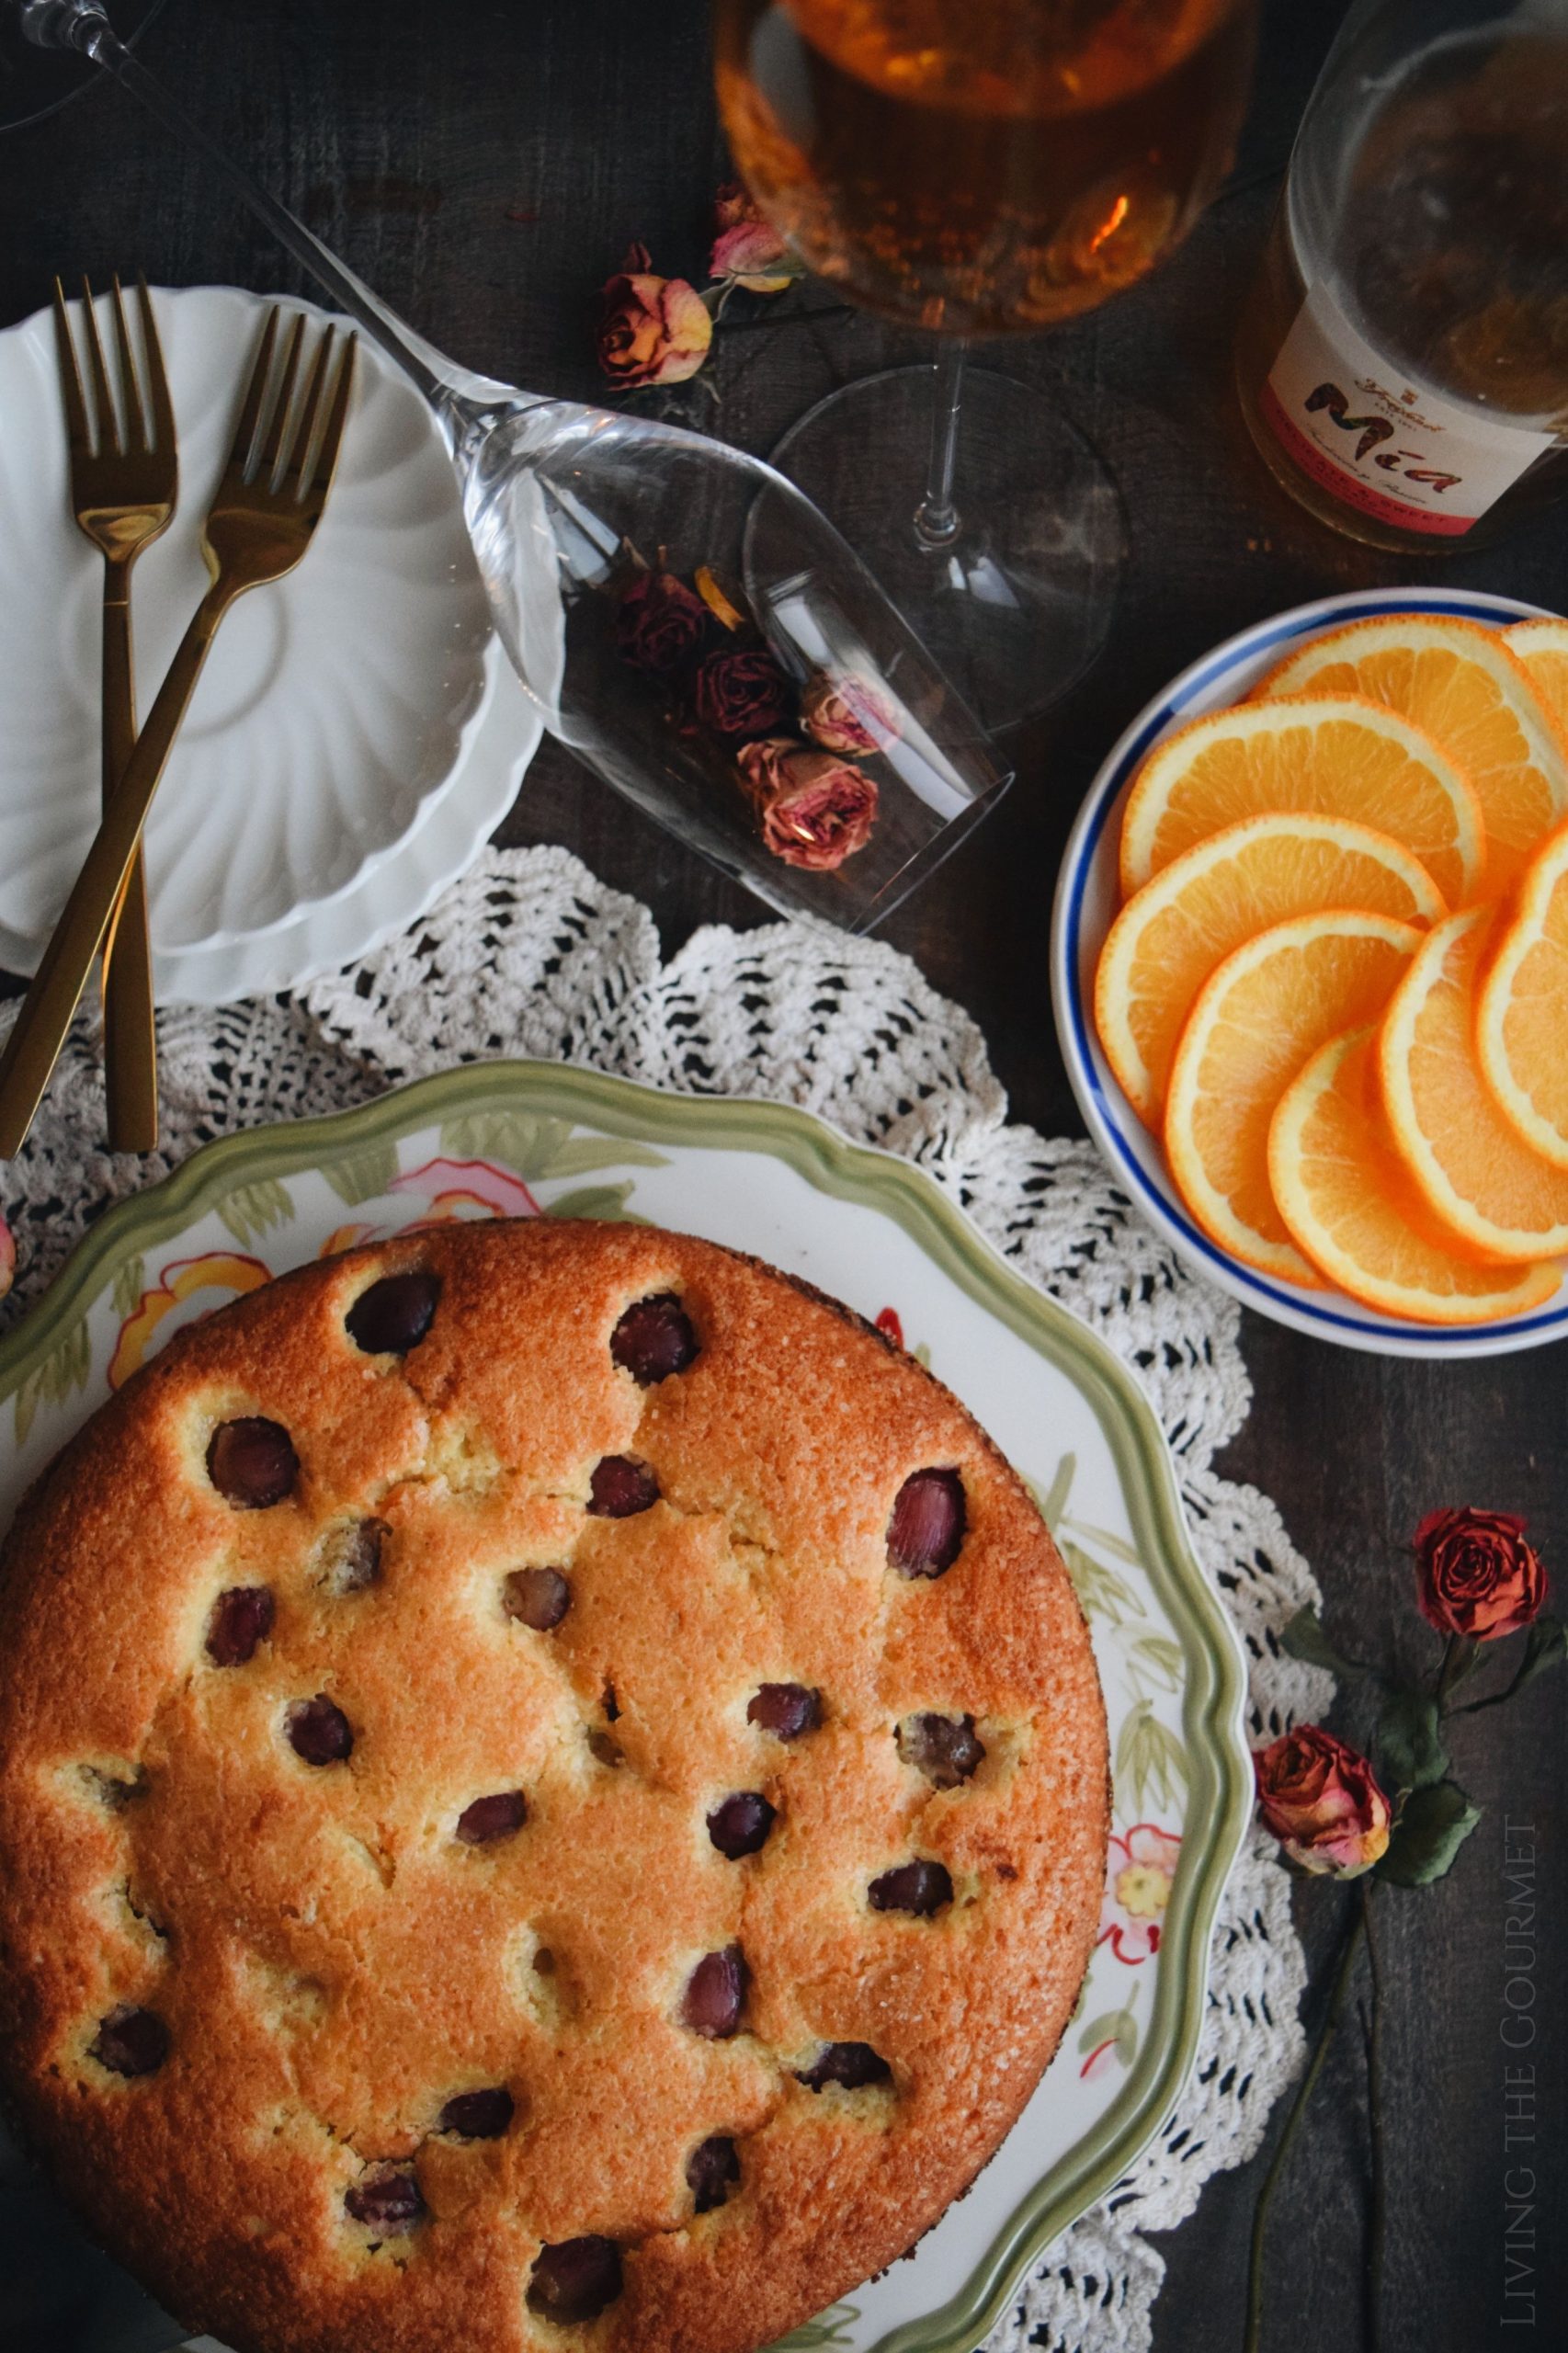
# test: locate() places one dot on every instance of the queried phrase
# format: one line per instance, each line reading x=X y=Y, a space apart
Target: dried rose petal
x=742 y=695
x=252 y=1462
x=741 y=1824
x=388 y=2202
x=655 y=1338
x=715 y=1994
x=241 y=1618
x=574 y=2279
x=814 y=809
x=919 y=1887
x=845 y=713
x=659 y=624
x=927 y=1527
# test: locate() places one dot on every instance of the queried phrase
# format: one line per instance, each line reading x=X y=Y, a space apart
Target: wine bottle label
x=1393 y=449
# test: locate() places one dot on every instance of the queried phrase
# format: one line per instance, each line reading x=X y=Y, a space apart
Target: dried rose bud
x=749 y=250
x=653 y=330
x=844 y=713
x=659 y=624
x=1322 y=1803
x=814 y=810
x=742 y=695
x=1475 y=1575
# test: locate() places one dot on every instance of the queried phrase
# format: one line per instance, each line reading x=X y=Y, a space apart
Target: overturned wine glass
x=682 y=616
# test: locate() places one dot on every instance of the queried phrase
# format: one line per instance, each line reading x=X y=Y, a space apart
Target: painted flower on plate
x=1139 y=1868
x=187 y=1289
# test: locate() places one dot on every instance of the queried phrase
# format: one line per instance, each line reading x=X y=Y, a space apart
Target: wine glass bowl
x=989 y=168
x=979 y=169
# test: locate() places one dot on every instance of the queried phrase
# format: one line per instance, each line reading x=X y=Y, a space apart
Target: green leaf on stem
x=1546 y=1645
x=1434 y=1824
x=1304 y=1639
x=1410 y=1749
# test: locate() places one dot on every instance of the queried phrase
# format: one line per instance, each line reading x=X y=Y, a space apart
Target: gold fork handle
x=130 y=1042
x=34 y=1045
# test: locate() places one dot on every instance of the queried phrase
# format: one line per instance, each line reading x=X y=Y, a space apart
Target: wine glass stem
x=935 y=517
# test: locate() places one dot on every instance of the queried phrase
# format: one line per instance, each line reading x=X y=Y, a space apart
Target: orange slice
x=1496 y=1197
x=1341 y=1188
x=1521 y=1014
x=1543 y=647
x=1462 y=683
x=1169 y=937
x=1258 y=1017
x=1334 y=756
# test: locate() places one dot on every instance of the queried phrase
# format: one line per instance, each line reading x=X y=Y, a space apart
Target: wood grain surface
x=486 y=166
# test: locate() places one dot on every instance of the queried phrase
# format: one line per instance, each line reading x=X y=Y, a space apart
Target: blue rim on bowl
x=1086 y=900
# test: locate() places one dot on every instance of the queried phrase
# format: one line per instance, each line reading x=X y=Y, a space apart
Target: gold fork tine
x=293 y=478
x=157 y=381
x=272 y=445
x=332 y=437
x=108 y=425
x=245 y=431
x=135 y=417
x=77 y=432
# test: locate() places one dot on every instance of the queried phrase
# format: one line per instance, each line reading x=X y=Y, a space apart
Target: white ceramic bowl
x=1086 y=899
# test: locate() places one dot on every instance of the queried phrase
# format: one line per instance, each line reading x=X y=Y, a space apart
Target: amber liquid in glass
x=981 y=166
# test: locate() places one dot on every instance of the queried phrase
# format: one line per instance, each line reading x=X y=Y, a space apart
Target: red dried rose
x=7 y=1258
x=847 y=714
x=1476 y=1575
x=659 y=624
x=653 y=330
x=749 y=250
x=741 y=695
x=814 y=810
x=1322 y=1803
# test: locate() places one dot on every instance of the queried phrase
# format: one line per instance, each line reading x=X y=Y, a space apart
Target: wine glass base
x=1017 y=602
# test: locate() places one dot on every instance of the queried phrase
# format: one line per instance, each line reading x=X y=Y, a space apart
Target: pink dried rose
x=7 y=1258
x=652 y=330
x=748 y=251
x=845 y=713
x=659 y=624
x=816 y=810
x=741 y=695
x=1322 y=1803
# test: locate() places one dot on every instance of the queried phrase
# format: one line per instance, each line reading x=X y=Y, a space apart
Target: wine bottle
x=1403 y=364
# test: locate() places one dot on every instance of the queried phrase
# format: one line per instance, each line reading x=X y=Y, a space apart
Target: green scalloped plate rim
x=1221 y=1784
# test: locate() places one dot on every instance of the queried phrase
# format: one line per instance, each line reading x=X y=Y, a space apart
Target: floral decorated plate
x=530 y=1140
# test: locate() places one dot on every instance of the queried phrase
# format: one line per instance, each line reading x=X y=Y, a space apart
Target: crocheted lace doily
x=530 y=955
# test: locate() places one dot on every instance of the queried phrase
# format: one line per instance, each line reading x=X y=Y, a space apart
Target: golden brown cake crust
x=331 y=1962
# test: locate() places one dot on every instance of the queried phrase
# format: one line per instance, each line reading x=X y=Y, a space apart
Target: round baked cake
x=554 y=1791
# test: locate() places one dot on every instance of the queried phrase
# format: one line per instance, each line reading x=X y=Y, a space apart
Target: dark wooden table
x=486 y=166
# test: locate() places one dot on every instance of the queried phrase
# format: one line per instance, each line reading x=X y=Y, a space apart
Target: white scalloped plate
x=336 y=704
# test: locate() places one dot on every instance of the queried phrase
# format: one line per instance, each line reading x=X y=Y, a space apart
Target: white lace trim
x=528 y=954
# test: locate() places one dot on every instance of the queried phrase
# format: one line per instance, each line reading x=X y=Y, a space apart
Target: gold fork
x=259 y=525
x=123 y=496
